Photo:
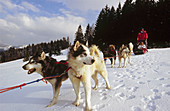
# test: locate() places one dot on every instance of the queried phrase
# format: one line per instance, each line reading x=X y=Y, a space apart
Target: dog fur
x=124 y=52
x=110 y=53
x=85 y=64
x=46 y=66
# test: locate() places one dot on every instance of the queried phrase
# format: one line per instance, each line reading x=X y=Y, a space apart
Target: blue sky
x=25 y=22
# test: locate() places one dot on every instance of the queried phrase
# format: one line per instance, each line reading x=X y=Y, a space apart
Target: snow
x=144 y=85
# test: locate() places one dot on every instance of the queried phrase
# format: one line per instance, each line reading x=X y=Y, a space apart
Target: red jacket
x=142 y=36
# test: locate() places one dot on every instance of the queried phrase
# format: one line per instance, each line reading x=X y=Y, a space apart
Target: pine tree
x=89 y=34
x=127 y=7
x=99 y=28
x=79 y=35
x=119 y=11
x=26 y=56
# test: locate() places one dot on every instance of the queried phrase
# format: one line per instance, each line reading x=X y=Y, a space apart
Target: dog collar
x=78 y=77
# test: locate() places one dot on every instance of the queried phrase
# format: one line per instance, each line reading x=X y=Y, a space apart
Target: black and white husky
x=124 y=52
x=85 y=63
x=46 y=66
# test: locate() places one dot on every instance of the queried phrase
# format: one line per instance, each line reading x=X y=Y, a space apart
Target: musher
x=142 y=37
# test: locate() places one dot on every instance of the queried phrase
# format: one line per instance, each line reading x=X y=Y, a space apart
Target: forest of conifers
x=123 y=24
x=113 y=26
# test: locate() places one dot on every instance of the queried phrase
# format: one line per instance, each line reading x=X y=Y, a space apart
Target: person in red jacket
x=142 y=36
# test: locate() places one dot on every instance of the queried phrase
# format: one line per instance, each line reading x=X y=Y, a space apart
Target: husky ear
x=43 y=55
x=76 y=45
x=87 y=43
x=123 y=45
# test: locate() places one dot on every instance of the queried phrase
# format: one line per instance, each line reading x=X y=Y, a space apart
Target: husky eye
x=85 y=54
x=32 y=61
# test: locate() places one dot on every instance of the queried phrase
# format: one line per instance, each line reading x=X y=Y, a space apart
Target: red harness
x=66 y=63
x=62 y=63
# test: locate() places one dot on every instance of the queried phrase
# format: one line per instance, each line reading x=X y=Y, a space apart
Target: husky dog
x=124 y=52
x=84 y=65
x=110 y=53
x=46 y=66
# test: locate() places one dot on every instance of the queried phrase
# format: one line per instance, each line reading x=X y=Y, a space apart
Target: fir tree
x=89 y=34
x=79 y=35
x=26 y=56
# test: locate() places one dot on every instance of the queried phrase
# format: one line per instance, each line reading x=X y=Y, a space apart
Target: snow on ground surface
x=144 y=85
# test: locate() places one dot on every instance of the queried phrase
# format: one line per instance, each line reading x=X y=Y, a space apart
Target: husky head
x=81 y=54
x=35 y=64
x=112 y=46
x=123 y=49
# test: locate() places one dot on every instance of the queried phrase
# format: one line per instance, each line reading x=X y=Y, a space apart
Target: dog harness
x=75 y=74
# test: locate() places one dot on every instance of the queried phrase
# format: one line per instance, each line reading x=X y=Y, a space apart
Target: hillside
x=142 y=86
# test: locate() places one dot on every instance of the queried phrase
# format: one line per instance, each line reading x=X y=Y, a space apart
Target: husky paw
x=50 y=105
x=108 y=87
x=119 y=67
x=112 y=66
x=88 y=109
x=95 y=88
x=76 y=103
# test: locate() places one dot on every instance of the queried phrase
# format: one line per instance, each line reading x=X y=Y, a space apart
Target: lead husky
x=124 y=52
x=83 y=67
x=46 y=66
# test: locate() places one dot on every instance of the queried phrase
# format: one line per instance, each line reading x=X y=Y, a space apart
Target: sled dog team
x=84 y=63
x=123 y=52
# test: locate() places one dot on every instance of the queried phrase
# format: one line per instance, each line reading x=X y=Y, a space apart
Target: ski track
x=142 y=86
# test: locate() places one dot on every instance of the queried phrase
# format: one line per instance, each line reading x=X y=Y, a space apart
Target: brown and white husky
x=124 y=52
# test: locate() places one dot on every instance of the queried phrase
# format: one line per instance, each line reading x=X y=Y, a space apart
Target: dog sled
x=140 y=48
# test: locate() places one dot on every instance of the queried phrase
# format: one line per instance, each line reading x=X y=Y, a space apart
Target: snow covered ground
x=143 y=86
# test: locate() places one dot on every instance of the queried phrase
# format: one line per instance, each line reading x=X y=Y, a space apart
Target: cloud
x=8 y=5
x=24 y=23
x=88 y=9
x=85 y=5
x=23 y=29
x=20 y=28
x=29 y=6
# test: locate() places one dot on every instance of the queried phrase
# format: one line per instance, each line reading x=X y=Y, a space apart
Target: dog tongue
x=31 y=70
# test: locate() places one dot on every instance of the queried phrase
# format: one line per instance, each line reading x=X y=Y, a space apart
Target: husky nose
x=92 y=61
x=24 y=67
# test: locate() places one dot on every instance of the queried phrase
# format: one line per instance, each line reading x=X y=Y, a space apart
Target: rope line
x=42 y=79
